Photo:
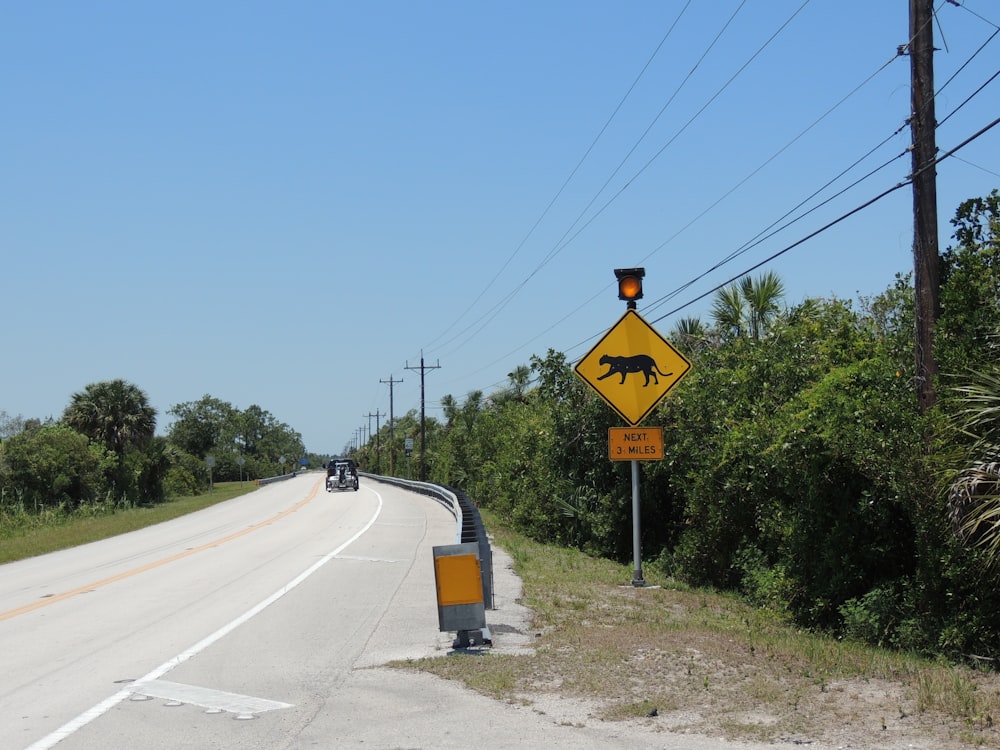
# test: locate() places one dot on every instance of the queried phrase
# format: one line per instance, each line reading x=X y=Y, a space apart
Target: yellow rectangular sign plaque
x=459 y=580
x=635 y=443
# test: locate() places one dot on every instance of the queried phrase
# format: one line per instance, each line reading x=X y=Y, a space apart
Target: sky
x=291 y=204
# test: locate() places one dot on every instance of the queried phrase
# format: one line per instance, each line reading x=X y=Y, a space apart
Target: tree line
x=103 y=451
x=800 y=471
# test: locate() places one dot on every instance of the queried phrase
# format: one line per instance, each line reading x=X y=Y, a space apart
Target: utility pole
x=377 y=414
x=423 y=423
x=392 y=427
x=926 y=278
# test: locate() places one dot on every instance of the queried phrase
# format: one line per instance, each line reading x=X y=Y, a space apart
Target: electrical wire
x=765 y=234
x=784 y=250
x=760 y=237
x=565 y=183
x=563 y=244
x=753 y=241
x=964 y=7
x=866 y=204
x=559 y=248
x=649 y=127
x=971 y=96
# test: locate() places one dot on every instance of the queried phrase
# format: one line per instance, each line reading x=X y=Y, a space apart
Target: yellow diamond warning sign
x=632 y=367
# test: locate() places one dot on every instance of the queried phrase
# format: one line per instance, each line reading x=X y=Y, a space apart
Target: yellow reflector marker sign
x=458 y=580
x=635 y=443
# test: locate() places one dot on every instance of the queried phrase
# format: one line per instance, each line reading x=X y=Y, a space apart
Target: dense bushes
x=52 y=466
x=103 y=455
x=799 y=470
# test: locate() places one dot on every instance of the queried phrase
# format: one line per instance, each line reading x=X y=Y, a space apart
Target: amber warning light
x=630 y=284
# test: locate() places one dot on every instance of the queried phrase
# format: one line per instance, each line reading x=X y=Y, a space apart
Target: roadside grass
x=672 y=657
x=25 y=534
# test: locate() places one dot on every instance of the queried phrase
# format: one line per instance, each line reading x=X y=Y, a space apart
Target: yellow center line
x=12 y=613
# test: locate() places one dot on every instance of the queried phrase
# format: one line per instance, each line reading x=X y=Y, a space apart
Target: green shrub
x=51 y=466
x=873 y=618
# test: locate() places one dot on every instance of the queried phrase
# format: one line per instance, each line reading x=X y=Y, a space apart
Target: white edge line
x=107 y=704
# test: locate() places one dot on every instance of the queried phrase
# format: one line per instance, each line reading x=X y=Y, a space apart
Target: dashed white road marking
x=368 y=559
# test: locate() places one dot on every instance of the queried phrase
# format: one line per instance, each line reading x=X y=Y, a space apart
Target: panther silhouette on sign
x=637 y=363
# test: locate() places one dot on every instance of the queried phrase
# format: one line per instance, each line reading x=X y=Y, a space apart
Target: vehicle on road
x=341 y=474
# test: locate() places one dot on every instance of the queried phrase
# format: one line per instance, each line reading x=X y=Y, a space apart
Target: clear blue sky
x=284 y=204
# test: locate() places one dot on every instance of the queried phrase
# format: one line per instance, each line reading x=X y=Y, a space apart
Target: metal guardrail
x=272 y=480
x=469 y=526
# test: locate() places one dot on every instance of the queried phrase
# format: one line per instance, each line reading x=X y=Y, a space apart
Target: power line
x=766 y=234
x=746 y=246
x=784 y=250
x=565 y=183
x=812 y=235
x=646 y=132
x=755 y=241
x=760 y=237
x=836 y=221
x=971 y=96
x=562 y=244
x=964 y=7
x=556 y=250
x=423 y=422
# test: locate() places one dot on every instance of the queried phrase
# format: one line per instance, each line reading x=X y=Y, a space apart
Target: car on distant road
x=341 y=474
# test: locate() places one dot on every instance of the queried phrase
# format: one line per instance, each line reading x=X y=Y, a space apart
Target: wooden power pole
x=423 y=422
x=392 y=427
x=926 y=277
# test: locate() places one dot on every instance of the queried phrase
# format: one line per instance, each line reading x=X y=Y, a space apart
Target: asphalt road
x=262 y=622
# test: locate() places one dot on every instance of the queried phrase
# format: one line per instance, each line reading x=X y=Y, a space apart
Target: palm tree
x=115 y=414
x=762 y=298
x=450 y=407
x=470 y=409
x=747 y=307
x=520 y=378
x=974 y=495
x=728 y=312
x=518 y=381
x=690 y=334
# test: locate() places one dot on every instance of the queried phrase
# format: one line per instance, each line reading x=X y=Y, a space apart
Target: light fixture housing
x=630 y=284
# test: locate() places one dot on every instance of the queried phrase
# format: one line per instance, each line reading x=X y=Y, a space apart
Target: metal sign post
x=635 y=444
x=210 y=462
x=632 y=368
x=637 y=579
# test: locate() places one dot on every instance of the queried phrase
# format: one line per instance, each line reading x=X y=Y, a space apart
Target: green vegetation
x=102 y=454
x=800 y=473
